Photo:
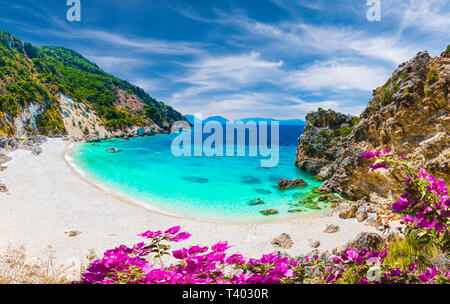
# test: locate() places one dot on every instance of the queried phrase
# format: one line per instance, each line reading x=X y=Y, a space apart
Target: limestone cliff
x=409 y=114
x=56 y=91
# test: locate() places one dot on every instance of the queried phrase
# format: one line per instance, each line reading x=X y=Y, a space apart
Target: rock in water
x=3 y=188
x=284 y=183
x=112 y=150
x=257 y=201
x=331 y=229
x=283 y=241
x=269 y=212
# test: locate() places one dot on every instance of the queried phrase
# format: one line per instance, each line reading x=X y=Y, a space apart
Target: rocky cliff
x=409 y=114
x=56 y=91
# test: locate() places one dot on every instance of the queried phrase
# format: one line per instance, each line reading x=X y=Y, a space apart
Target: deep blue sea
x=215 y=188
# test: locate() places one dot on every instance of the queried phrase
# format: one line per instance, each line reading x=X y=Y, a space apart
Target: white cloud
x=226 y=73
x=335 y=75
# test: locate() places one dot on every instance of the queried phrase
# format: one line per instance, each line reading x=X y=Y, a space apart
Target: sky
x=241 y=58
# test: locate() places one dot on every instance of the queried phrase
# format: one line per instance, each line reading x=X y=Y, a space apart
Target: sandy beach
x=47 y=198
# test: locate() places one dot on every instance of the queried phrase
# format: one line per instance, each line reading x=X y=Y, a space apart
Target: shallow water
x=211 y=188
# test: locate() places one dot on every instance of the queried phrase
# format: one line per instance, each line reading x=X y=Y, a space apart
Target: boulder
x=112 y=150
x=346 y=210
x=361 y=216
x=284 y=183
x=283 y=241
x=331 y=228
x=366 y=240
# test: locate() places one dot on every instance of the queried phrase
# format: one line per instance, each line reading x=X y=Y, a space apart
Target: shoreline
x=128 y=200
x=47 y=198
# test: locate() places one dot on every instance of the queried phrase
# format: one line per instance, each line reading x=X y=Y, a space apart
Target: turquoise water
x=211 y=188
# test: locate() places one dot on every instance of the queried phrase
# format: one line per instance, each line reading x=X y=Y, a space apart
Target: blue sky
x=237 y=58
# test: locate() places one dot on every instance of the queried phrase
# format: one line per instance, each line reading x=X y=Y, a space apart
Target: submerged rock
x=250 y=180
x=257 y=201
x=112 y=150
x=284 y=183
x=196 y=179
x=263 y=191
x=283 y=241
x=296 y=210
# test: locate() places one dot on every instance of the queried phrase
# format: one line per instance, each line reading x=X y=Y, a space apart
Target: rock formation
x=409 y=114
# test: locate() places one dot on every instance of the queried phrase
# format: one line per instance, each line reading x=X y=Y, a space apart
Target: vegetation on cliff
x=35 y=76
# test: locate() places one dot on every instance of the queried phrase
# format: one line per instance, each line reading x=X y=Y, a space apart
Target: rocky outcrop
x=409 y=114
x=284 y=183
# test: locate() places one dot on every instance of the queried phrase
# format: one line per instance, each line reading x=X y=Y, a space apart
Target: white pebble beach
x=48 y=198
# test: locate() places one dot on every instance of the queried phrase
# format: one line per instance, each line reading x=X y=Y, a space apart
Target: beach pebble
x=283 y=241
x=313 y=243
x=72 y=233
x=3 y=188
x=331 y=229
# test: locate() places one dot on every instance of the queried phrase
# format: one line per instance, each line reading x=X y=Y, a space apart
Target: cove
x=217 y=188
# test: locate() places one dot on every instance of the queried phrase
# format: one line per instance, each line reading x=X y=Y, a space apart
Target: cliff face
x=410 y=115
x=56 y=91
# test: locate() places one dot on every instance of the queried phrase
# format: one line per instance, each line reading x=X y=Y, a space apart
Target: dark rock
x=284 y=183
x=196 y=179
x=112 y=150
x=263 y=191
x=283 y=241
x=295 y=210
x=3 y=188
x=250 y=180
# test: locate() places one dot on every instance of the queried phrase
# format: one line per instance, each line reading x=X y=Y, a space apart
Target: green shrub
x=386 y=97
x=432 y=76
x=355 y=121
x=343 y=132
x=323 y=133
